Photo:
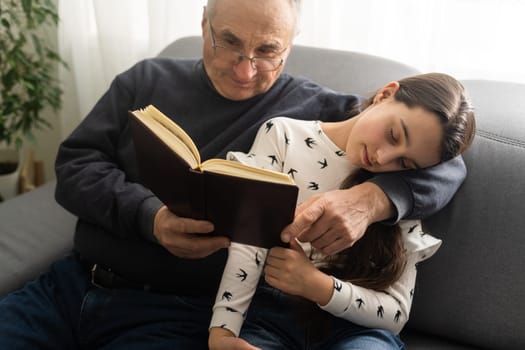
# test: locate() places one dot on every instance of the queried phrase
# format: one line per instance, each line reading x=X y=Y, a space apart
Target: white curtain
x=479 y=39
x=101 y=38
x=466 y=38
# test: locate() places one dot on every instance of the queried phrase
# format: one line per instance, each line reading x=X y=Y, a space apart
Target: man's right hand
x=181 y=236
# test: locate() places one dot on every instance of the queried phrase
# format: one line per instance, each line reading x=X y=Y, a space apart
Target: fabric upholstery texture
x=34 y=231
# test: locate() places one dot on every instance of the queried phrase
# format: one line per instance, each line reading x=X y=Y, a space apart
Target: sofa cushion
x=415 y=340
x=34 y=231
x=472 y=290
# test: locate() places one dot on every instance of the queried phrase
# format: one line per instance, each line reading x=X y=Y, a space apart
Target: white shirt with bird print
x=303 y=151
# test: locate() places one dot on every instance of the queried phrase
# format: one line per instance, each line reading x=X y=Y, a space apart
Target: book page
x=171 y=133
x=228 y=167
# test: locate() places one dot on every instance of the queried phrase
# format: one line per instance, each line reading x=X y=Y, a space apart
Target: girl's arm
x=291 y=271
x=245 y=263
x=387 y=309
x=238 y=284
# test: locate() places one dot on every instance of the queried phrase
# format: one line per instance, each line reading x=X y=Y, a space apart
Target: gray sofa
x=470 y=295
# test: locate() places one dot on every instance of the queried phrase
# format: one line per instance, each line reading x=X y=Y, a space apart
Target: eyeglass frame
x=241 y=56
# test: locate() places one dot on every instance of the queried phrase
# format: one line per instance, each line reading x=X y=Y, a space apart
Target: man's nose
x=244 y=70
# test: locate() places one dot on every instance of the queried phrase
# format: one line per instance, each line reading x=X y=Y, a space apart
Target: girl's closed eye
x=392 y=137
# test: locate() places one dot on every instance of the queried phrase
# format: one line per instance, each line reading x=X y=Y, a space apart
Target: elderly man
x=142 y=277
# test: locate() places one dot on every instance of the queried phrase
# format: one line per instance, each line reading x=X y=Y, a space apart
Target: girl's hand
x=223 y=339
x=290 y=271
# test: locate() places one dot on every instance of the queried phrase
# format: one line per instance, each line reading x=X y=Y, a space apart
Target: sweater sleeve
x=238 y=284
x=245 y=263
x=388 y=309
x=96 y=176
x=420 y=193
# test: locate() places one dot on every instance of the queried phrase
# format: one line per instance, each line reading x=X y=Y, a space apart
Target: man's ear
x=204 y=21
x=386 y=91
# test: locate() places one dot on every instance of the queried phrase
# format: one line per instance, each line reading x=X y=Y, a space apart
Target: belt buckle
x=93 y=271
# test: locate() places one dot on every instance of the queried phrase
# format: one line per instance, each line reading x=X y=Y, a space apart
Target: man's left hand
x=334 y=221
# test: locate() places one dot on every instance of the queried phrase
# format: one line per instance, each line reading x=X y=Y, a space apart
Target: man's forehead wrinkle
x=263 y=40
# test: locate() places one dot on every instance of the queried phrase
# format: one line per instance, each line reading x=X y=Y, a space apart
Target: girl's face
x=389 y=136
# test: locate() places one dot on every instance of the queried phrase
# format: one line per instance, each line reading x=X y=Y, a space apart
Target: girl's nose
x=386 y=155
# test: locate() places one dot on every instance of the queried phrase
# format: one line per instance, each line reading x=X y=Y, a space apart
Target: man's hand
x=334 y=221
x=180 y=236
x=223 y=339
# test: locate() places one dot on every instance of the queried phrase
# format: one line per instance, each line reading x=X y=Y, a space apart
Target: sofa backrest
x=473 y=289
x=345 y=71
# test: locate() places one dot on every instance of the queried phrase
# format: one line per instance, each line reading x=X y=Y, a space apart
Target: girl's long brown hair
x=376 y=260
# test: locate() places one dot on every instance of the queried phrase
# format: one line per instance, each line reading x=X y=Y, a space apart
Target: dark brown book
x=248 y=204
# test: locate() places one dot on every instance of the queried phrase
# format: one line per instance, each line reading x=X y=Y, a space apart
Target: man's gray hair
x=296 y=5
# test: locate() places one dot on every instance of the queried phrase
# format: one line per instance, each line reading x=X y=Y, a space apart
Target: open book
x=248 y=204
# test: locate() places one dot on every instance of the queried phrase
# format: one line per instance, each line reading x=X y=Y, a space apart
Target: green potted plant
x=28 y=72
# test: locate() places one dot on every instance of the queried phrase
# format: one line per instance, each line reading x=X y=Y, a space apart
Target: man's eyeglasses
x=261 y=64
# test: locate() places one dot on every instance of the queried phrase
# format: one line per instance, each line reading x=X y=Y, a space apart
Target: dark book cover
x=248 y=211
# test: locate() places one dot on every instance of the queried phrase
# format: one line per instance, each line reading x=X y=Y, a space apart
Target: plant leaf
x=27 y=5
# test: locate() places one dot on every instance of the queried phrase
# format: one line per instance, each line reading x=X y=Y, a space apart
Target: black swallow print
x=310 y=142
x=380 y=311
x=268 y=126
x=313 y=186
x=257 y=260
x=323 y=163
x=286 y=139
x=340 y=153
x=412 y=228
x=292 y=172
x=338 y=286
x=227 y=295
x=397 y=316
x=242 y=275
x=360 y=302
x=274 y=159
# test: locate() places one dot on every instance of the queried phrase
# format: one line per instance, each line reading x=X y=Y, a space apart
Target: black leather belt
x=105 y=277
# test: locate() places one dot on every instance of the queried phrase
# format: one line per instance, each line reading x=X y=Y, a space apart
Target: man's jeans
x=62 y=310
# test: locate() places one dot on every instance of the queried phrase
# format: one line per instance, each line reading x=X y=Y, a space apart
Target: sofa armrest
x=34 y=231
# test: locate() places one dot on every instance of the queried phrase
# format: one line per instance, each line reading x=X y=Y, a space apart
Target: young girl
x=414 y=123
